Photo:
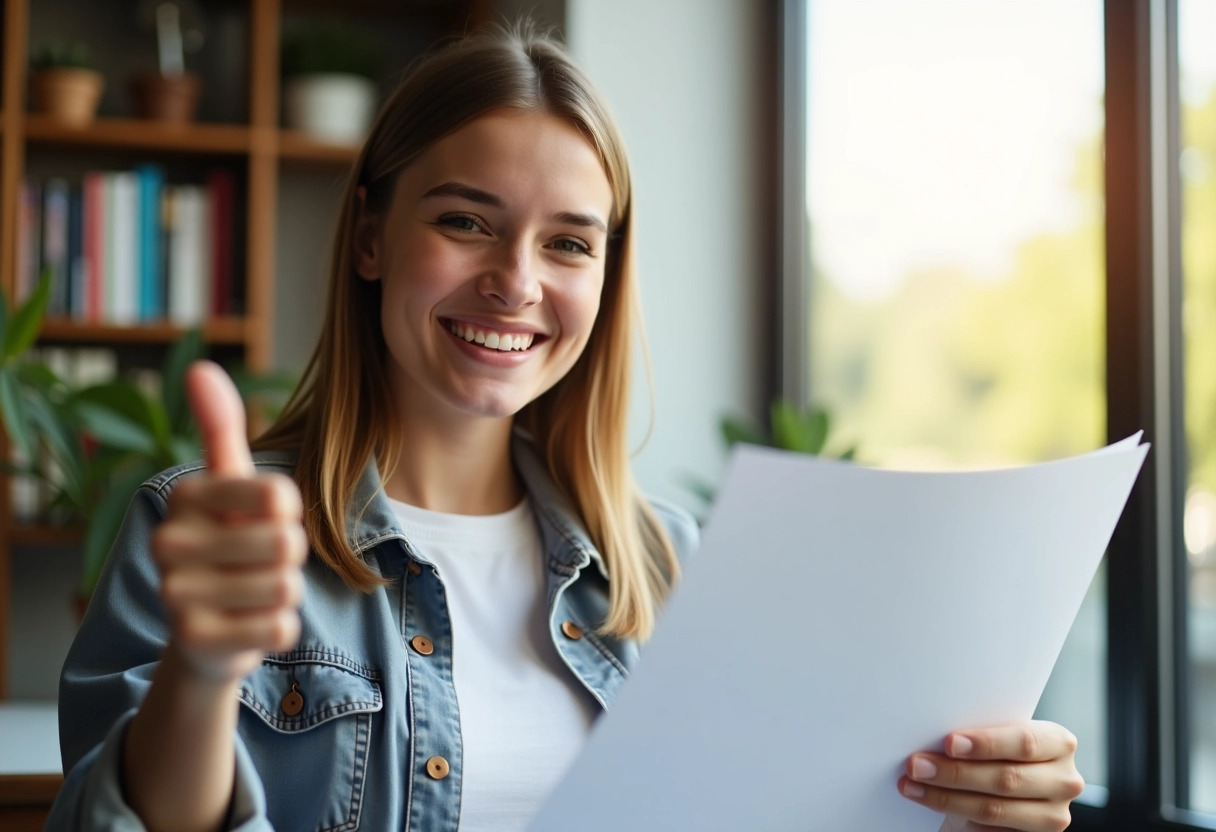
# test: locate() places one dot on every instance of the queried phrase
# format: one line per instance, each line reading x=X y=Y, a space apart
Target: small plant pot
x=333 y=108
x=67 y=94
x=166 y=98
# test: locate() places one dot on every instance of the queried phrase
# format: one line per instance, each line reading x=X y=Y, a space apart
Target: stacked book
x=128 y=248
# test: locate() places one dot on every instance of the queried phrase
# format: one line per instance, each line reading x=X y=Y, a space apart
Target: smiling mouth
x=492 y=339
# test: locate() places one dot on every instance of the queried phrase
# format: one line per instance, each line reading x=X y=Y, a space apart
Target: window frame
x=1148 y=753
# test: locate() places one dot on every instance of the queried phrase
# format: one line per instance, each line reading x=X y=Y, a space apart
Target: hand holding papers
x=835 y=620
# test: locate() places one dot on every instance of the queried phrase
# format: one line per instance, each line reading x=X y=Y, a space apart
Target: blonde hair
x=341 y=413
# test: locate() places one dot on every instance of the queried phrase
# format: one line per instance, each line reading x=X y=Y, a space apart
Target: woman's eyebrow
x=586 y=220
x=466 y=192
x=458 y=189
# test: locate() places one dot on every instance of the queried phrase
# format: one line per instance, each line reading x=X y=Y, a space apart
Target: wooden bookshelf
x=215 y=331
x=141 y=134
x=294 y=147
x=41 y=534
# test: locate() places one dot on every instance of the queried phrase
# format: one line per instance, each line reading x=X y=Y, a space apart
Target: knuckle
x=1061 y=820
x=283 y=495
x=937 y=799
x=1028 y=744
x=992 y=812
x=285 y=630
x=1009 y=780
x=1070 y=742
x=1074 y=786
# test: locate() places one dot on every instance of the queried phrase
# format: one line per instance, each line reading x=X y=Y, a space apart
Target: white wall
x=683 y=78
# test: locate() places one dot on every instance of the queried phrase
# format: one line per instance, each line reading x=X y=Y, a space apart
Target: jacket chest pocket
x=307 y=725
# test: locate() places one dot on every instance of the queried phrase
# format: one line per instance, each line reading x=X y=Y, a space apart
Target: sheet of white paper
x=835 y=620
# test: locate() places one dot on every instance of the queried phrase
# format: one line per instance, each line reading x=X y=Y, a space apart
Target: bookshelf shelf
x=139 y=134
x=295 y=147
x=215 y=331
x=40 y=534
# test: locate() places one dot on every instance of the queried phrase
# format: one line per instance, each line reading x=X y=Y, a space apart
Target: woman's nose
x=512 y=279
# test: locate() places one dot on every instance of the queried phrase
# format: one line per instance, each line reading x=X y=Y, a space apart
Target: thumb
x=220 y=417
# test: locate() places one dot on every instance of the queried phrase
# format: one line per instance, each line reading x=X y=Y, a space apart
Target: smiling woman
x=407 y=606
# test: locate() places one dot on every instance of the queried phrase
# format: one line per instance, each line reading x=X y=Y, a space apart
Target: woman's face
x=491 y=259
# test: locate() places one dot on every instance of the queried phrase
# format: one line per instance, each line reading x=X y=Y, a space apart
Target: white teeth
x=503 y=342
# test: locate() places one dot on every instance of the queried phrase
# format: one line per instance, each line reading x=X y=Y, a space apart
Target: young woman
x=406 y=609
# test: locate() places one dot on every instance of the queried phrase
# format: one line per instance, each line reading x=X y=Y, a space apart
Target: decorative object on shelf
x=103 y=439
x=64 y=84
x=789 y=429
x=329 y=90
x=170 y=93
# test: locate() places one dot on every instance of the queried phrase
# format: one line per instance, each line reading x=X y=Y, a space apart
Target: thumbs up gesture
x=231 y=549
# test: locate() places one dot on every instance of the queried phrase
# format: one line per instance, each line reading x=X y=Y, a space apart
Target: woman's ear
x=366 y=242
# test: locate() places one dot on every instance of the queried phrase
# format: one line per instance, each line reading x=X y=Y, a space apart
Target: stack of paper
x=835 y=620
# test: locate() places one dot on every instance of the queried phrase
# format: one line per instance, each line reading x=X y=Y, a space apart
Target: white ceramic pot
x=330 y=108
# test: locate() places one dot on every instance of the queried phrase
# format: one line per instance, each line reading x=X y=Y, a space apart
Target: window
x=1002 y=249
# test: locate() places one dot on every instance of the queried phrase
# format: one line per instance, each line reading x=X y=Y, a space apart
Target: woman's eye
x=460 y=223
x=570 y=246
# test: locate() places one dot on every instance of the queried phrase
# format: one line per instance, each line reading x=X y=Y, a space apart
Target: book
x=123 y=289
x=151 y=285
x=55 y=244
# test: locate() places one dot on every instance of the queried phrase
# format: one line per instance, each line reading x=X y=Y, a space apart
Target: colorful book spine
x=76 y=268
x=221 y=191
x=151 y=292
x=93 y=236
x=55 y=244
x=124 y=239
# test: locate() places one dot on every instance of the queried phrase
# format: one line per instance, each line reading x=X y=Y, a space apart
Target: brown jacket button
x=292 y=702
x=437 y=768
x=571 y=630
x=423 y=645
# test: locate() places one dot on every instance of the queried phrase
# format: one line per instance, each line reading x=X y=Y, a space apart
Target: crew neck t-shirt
x=523 y=715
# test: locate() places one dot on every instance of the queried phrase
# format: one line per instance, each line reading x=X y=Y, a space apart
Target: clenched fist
x=230 y=550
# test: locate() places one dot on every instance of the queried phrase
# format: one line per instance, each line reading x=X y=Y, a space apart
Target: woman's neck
x=460 y=466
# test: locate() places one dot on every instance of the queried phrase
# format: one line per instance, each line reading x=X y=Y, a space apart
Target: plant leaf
x=13 y=412
x=114 y=429
x=794 y=431
x=23 y=328
x=62 y=444
x=735 y=431
x=105 y=521
x=188 y=349
x=185 y=449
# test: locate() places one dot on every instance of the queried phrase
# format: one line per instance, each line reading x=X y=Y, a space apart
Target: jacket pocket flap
x=321 y=692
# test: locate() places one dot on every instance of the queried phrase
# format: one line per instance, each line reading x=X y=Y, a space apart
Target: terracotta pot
x=164 y=98
x=68 y=94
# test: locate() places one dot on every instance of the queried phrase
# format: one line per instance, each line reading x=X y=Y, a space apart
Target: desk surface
x=29 y=738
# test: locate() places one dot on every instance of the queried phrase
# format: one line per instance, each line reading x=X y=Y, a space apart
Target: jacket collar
x=567 y=545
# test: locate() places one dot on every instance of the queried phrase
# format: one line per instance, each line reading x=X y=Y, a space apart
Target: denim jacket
x=363 y=752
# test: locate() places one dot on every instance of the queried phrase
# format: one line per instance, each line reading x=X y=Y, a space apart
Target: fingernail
x=961 y=746
x=923 y=768
x=914 y=790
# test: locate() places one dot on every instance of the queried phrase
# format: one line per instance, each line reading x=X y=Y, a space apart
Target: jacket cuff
x=92 y=799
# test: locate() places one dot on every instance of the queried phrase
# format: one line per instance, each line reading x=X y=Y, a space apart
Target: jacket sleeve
x=108 y=671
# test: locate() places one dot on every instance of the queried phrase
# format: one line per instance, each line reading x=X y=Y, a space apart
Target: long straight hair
x=341 y=415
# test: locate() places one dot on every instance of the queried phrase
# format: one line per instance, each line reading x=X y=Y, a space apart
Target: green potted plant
x=789 y=429
x=329 y=72
x=64 y=84
x=104 y=439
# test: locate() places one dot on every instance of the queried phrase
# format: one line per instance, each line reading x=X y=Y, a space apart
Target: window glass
x=1197 y=167
x=956 y=229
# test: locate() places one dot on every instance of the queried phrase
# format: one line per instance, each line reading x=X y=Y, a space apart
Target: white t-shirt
x=523 y=716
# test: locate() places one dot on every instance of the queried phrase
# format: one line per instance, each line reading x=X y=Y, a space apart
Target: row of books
x=126 y=247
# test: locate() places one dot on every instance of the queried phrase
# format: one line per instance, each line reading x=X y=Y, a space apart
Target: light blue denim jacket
x=374 y=709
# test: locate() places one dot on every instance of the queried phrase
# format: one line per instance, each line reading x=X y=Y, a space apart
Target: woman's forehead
x=518 y=156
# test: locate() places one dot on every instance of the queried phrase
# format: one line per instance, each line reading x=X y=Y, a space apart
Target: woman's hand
x=1013 y=777
x=231 y=548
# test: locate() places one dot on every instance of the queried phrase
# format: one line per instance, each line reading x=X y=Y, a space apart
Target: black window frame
x=1147 y=657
